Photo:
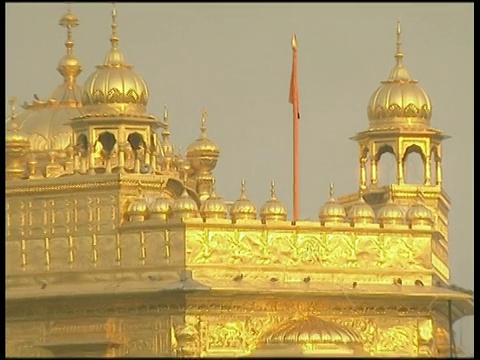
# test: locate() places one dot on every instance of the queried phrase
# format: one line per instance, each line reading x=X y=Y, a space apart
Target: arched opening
x=136 y=141
x=387 y=166
x=108 y=141
x=414 y=165
x=82 y=144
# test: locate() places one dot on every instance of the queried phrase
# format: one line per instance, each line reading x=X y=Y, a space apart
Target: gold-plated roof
x=312 y=330
x=390 y=213
x=243 y=208
x=273 y=209
x=185 y=206
x=115 y=88
x=332 y=210
x=418 y=213
x=361 y=212
x=45 y=122
x=203 y=152
x=214 y=207
x=399 y=101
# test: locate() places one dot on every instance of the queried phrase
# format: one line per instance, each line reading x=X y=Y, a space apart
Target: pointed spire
x=115 y=56
x=213 y=193
x=69 y=66
x=399 y=72
x=166 y=129
x=360 y=195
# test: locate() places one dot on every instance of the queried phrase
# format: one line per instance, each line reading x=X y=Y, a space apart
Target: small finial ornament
x=294 y=42
x=243 y=189
x=13 y=107
x=114 y=39
x=165 y=113
x=331 y=191
x=203 y=127
x=399 y=54
x=272 y=190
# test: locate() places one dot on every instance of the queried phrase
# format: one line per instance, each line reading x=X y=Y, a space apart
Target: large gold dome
x=399 y=101
x=45 y=122
x=115 y=86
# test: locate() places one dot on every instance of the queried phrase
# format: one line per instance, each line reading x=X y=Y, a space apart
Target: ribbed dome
x=14 y=137
x=185 y=206
x=214 y=207
x=243 y=208
x=115 y=88
x=203 y=153
x=361 y=212
x=162 y=207
x=399 y=101
x=312 y=330
x=273 y=209
x=390 y=213
x=45 y=123
x=138 y=209
x=332 y=211
x=419 y=214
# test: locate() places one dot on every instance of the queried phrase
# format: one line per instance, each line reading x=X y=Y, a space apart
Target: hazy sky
x=235 y=60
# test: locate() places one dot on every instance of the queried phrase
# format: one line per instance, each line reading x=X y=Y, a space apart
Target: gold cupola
x=273 y=210
x=16 y=146
x=399 y=102
x=115 y=88
x=138 y=210
x=185 y=207
x=243 y=208
x=390 y=213
x=45 y=122
x=332 y=211
x=214 y=207
x=203 y=153
x=419 y=214
x=161 y=209
x=361 y=212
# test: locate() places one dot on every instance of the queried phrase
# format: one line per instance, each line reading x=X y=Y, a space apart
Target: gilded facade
x=118 y=245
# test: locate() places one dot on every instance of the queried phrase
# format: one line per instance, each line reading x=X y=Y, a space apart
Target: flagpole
x=296 y=115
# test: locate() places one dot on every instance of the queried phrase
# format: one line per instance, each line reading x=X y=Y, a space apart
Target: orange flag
x=293 y=99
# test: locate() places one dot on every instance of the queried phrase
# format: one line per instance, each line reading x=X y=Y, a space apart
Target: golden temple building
x=117 y=244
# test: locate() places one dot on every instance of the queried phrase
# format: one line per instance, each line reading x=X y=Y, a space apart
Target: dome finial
x=166 y=128
x=331 y=191
x=203 y=127
x=13 y=108
x=398 y=54
x=114 y=38
x=243 y=189
x=69 y=66
x=272 y=190
x=399 y=73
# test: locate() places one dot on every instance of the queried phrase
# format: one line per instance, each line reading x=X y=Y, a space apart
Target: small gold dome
x=361 y=212
x=311 y=330
x=115 y=86
x=162 y=206
x=273 y=209
x=14 y=137
x=390 y=213
x=214 y=207
x=332 y=211
x=138 y=209
x=203 y=153
x=419 y=214
x=399 y=101
x=185 y=206
x=243 y=208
